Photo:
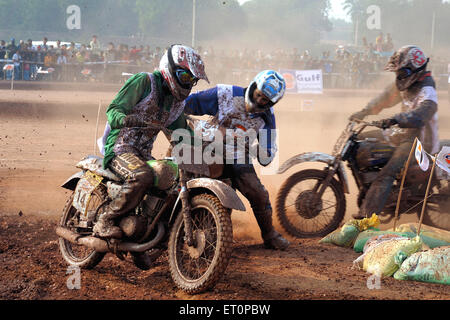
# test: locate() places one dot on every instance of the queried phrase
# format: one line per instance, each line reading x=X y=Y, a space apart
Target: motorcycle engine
x=372 y=155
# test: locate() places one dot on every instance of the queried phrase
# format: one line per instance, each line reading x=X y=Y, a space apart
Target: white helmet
x=182 y=67
x=409 y=64
x=271 y=84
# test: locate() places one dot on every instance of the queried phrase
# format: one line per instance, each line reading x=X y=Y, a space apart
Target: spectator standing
x=389 y=45
x=2 y=56
x=61 y=61
x=44 y=46
x=95 y=48
x=17 y=59
x=110 y=55
x=379 y=42
x=11 y=48
x=2 y=49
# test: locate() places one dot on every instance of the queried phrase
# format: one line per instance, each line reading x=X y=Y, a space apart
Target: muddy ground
x=43 y=134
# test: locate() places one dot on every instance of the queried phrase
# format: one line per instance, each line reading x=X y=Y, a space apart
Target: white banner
x=443 y=159
x=309 y=81
x=421 y=157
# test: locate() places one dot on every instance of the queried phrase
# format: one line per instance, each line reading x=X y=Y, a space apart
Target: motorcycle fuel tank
x=373 y=154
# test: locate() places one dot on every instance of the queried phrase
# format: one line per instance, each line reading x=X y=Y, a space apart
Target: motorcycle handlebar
x=366 y=123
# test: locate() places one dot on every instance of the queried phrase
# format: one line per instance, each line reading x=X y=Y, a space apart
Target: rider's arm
x=420 y=115
x=267 y=141
x=137 y=87
x=202 y=103
x=387 y=99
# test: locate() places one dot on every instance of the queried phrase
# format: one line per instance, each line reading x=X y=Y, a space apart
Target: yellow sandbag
x=387 y=257
x=372 y=243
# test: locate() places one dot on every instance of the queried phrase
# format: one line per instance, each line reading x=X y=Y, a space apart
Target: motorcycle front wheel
x=301 y=213
x=78 y=255
x=197 y=268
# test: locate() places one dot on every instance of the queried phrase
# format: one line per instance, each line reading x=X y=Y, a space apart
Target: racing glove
x=385 y=123
x=358 y=115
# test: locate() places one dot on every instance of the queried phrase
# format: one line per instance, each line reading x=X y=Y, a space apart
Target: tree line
x=257 y=23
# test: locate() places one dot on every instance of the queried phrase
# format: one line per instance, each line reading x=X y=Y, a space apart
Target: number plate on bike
x=83 y=191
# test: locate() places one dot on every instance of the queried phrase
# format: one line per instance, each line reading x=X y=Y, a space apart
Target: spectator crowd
x=342 y=67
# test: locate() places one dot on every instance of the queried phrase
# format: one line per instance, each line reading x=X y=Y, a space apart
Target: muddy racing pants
x=137 y=176
x=379 y=190
x=245 y=179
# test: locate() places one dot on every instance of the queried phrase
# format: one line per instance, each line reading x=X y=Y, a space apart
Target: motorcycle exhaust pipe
x=100 y=245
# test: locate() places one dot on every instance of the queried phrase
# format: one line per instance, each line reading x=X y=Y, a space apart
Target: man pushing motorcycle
x=415 y=88
x=245 y=109
x=146 y=102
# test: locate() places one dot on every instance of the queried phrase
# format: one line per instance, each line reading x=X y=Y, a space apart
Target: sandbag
x=364 y=236
x=346 y=235
x=386 y=258
x=372 y=243
x=427 y=266
x=431 y=236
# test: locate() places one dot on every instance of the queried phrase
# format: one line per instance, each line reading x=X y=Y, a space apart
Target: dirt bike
x=312 y=203
x=189 y=217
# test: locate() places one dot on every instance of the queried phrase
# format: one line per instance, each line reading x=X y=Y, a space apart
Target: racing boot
x=272 y=239
x=141 y=260
x=276 y=241
x=359 y=215
x=105 y=228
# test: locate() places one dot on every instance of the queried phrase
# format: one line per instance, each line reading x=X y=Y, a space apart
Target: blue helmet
x=271 y=84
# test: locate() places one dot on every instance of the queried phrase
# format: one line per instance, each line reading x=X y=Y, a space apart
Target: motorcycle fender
x=227 y=195
x=316 y=157
x=71 y=183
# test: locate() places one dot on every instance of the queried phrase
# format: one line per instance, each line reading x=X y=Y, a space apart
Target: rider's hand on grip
x=385 y=123
x=357 y=116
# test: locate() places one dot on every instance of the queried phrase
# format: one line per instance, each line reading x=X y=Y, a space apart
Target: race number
x=84 y=190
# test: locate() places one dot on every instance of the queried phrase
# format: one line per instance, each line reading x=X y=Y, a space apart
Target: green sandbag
x=342 y=237
x=427 y=266
x=362 y=238
x=432 y=237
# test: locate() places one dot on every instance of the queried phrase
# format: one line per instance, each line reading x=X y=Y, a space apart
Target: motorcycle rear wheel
x=437 y=214
x=78 y=255
x=198 y=268
x=297 y=213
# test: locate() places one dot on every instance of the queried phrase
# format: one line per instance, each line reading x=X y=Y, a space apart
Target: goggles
x=405 y=72
x=185 y=78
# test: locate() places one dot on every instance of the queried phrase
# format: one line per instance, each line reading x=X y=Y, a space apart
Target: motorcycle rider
x=146 y=102
x=247 y=108
x=415 y=88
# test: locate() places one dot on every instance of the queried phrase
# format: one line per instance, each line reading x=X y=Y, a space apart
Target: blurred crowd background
x=342 y=67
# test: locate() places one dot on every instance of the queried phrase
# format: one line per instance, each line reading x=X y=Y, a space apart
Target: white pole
x=356 y=31
x=193 y=23
x=12 y=77
x=433 y=23
x=96 y=126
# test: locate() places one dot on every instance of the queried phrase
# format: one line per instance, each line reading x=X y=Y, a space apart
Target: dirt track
x=44 y=133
